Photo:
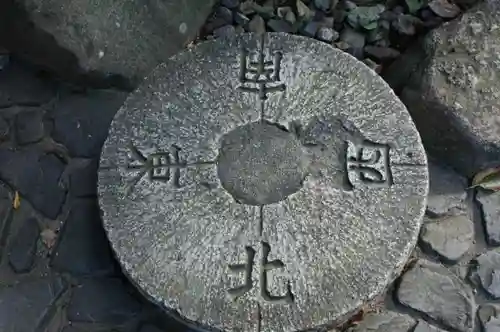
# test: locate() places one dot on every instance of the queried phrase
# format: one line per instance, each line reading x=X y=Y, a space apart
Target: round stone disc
x=263 y=183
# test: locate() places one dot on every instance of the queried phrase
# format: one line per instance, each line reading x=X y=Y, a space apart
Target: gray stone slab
x=242 y=205
x=490 y=208
x=431 y=289
x=450 y=237
x=384 y=321
x=488 y=272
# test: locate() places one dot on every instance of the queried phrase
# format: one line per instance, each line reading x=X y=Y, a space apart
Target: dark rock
x=490 y=208
x=290 y=18
x=406 y=24
x=83 y=248
x=328 y=22
x=327 y=34
x=25 y=305
x=310 y=29
x=6 y=198
x=446 y=190
x=36 y=177
x=23 y=248
x=489 y=316
x=225 y=31
x=381 y=53
x=323 y=5
x=423 y=326
x=18 y=86
x=444 y=8
x=353 y=38
x=384 y=321
x=150 y=328
x=225 y=14
x=450 y=237
x=432 y=290
x=443 y=84
x=29 y=126
x=4 y=129
x=488 y=272
x=83 y=179
x=72 y=37
x=280 y=26
x=257 y=24
x=106 y=301
x=232 y=4
x=81 y=121
x=4 y=61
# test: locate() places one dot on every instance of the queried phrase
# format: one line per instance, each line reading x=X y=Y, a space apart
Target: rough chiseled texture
x=451 y=89
x=186 y=241
x=432 y=290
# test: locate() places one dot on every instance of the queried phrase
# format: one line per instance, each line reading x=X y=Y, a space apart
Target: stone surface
x=383 y=322
x=29 y=126
x=150 y=328
x=84 y=249
x=446 y=79
x=450 y=237
x=429 y=288
x=490 y=208
x=104 y=42
x=102 y=301
x=24 y=306
x=18 y=86
x=489 y=316
x=23 y=248
x=195 y=182
x=446 y=190
x=423 y=326
x=36 y=177
x=83 y=178
x=81 y=121
x=488 y=272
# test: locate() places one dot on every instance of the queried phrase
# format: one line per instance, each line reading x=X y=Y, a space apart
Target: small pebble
x=382 y=53
x=257 y=25
x=280 y=26
x=282 y=11
x=241 y=19
x=327 y=34
x=232 y=4
x=373 y=65
x=405 y=25
x=225 y=31
x=352 y=37
x=247 y=7
x=303 y=11
x=328 y=22
x=225 y=14
x=444 y=8
x=290 y=17
x=310 y=29
x=323 y=5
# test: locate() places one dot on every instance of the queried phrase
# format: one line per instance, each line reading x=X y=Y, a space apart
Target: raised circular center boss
x=262 y=183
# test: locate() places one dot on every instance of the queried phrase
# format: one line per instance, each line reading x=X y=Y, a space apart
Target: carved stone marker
x=263 y=183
